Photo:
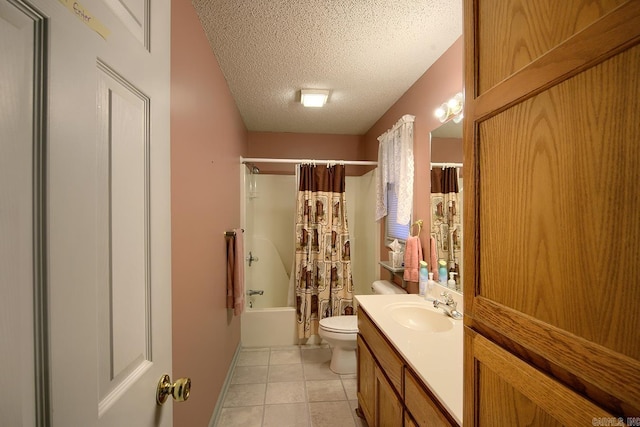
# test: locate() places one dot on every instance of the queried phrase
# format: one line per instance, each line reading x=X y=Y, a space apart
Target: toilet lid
x=341 y=324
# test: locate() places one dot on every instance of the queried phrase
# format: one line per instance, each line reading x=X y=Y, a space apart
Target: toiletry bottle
x=442 y=272
x=424 y=278
x=430 y=285
x=451 y=284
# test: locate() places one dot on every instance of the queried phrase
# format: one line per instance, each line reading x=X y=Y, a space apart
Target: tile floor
x=289 y=387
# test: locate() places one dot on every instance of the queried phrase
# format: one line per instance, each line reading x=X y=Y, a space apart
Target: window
x=393 y=229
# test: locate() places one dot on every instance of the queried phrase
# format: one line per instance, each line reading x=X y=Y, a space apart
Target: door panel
x=134 y=15
x=123 y=224
x=571 y=195
x=514 y=393
x=532 y=30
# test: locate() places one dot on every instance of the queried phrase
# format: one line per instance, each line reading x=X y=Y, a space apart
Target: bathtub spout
x=252 y=292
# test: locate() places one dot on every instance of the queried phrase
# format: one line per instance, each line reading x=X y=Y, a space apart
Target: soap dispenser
x=451 y=284
x=431 y=284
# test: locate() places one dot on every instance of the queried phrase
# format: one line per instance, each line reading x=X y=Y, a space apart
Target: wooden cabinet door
x=551 y=208
x=366 y=382
x=389 y=410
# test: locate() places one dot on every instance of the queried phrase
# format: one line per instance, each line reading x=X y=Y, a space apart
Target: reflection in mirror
x=446 y=204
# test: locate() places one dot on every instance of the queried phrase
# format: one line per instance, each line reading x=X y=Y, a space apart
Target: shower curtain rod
x=295 y=161
x=446 y=165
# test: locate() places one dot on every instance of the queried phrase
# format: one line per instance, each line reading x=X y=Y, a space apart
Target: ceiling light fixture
x=313 y=97
x=452 y=109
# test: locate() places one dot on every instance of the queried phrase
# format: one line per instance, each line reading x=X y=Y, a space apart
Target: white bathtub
x=266 y=327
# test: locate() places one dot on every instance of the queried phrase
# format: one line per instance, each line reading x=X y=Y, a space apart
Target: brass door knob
x=179 y=390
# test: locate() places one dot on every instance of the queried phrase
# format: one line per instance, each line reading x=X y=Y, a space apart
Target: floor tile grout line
x=266 y=388
x=306 y=393
x=307 y=403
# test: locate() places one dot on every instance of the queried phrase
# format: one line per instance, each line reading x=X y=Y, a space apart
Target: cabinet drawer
x=385 y=355
x=421 y=406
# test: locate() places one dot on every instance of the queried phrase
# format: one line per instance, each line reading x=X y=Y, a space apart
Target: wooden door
x=551 y=143
x=106 y=216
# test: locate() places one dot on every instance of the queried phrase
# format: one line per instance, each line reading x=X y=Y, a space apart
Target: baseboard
x=225 y=386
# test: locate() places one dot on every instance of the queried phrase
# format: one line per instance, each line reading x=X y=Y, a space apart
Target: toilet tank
x=386 y=287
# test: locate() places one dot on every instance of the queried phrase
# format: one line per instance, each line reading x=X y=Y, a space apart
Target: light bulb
x=442 y=113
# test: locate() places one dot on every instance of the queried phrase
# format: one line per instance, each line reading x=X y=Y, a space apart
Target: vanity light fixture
x=313 y=97
x=451 y=109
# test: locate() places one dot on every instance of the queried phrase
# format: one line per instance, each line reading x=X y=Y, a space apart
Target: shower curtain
x=324 y=286
x=446 y=218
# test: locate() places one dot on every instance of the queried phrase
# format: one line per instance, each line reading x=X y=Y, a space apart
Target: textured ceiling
x=366 y=52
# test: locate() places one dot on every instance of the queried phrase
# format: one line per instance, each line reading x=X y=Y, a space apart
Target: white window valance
x=395 y=166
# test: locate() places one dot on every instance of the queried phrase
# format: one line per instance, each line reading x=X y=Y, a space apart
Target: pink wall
x=446 y=150
x=207 y=139
x=306 y=146
x=439 y=83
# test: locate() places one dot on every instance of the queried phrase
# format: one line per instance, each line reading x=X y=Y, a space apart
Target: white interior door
x=107 y=187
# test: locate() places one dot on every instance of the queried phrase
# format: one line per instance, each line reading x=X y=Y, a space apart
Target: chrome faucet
x=252 y=292
x=448 y=305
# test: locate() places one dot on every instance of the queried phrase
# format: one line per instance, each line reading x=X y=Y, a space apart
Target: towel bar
x=419 y=224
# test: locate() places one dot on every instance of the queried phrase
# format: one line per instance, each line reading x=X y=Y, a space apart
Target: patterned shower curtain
x=446 y=218
x=323 y=259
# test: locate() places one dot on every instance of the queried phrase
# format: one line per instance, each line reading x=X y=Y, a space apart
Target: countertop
x=435 y=357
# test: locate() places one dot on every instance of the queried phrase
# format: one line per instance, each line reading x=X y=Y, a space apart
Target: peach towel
x=412 y=258
x=235 y=272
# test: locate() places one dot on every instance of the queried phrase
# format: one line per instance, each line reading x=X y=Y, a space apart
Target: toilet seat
x=340 y=324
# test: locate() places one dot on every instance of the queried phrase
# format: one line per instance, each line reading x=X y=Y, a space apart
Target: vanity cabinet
x=389 y=393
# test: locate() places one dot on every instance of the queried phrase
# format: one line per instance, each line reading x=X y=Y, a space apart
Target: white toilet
x=341 y=333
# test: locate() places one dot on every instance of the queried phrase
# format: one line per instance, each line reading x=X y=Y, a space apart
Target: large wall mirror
x=446 y=202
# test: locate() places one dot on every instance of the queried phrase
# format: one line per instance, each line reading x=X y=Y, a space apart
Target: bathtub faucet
x=251 y=258
x=252 y=292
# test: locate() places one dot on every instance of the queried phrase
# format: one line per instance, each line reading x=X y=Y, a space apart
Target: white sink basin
x=419 y=317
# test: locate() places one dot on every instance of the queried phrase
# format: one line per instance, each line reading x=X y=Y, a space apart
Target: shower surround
x=268 y=220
